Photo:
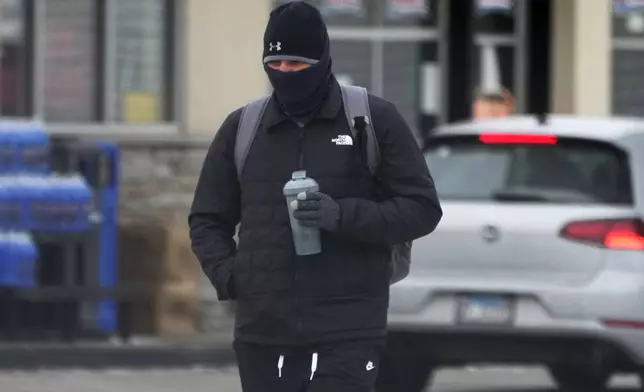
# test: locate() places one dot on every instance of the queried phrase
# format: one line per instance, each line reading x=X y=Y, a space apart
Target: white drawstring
x=280 y=364
x=314 y=365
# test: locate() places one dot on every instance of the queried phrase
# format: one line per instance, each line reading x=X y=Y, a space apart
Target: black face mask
x=302 y=93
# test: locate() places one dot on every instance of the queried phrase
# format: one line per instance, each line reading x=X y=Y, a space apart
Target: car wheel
x=400 y=373
x=578 y=379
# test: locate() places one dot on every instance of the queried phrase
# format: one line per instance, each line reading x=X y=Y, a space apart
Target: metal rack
x=76 y=293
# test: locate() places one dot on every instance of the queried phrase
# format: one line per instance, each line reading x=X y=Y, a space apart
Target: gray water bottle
x=306 y=239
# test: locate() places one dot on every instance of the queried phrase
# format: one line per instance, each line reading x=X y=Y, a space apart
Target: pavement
x=225 y=379
x=140 y=352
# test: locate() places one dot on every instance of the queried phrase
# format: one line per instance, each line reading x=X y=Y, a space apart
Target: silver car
x=539 y=257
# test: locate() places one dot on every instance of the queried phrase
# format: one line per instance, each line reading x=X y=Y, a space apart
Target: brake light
x=624 y=234
x=514 y=138
x=623 y=324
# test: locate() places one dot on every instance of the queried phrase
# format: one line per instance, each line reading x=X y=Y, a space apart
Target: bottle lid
x=299 y=175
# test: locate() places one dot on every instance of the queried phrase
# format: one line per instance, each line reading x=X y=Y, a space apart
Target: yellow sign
x=140 y=107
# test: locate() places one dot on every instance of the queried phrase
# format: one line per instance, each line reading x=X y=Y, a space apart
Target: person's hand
x=315 y=209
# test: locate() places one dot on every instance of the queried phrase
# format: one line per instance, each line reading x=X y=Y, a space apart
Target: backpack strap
x=356 y=106
x=251 y=117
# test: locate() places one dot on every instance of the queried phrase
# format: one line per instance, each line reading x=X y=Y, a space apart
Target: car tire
x=579 y=379
x=402 y=373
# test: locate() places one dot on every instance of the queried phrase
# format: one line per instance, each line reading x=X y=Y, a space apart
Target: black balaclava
x=296 y=31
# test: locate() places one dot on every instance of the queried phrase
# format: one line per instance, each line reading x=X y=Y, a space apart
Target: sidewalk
x=143 y=352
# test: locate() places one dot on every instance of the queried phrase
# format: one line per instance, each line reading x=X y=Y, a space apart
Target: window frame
x=26 y=81
x=627 y=43
x=376 y=34
x=105 y=123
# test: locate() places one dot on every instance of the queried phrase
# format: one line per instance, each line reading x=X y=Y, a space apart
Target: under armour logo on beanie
x=296 y=32
x=277 y=46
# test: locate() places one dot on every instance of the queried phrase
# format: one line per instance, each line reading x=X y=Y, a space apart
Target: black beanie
x=295 y=31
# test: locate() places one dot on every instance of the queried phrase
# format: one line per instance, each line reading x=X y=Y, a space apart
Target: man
x=308 y=323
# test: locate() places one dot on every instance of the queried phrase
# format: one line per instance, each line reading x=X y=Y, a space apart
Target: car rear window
x=564 y=171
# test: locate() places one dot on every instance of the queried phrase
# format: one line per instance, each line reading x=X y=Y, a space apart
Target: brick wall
x=158 y=179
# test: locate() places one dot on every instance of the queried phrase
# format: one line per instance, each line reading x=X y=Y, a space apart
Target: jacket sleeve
x=410 y=208
x=215 y=210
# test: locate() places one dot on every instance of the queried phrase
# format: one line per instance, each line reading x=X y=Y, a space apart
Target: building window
x=496 y=69
x=16 y=65
x=104 y=60
x=70 y=61
x=142 y=61
x=347 y=13
x=411 y=79
x=628 y=81
x=376 y=13
x=493 y=67
x=628 y=19
x=628 y=59
x=352 y=62
x=409 y=13
x=389 y=47
x=494 y=16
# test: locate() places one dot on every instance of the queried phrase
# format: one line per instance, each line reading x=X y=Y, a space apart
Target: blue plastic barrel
x=26 y=258
x=5 y=260
x=30 y=190
x=11 y=199
x=33 y=147
x=18 y=257
x=7 y=152
x=59 y=203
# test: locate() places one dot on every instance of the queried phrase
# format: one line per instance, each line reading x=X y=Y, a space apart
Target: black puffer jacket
x=343 y=292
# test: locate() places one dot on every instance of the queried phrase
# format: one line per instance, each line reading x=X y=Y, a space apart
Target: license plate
x=485 y=309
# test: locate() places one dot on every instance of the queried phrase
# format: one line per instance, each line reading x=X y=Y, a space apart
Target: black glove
x=315 y=209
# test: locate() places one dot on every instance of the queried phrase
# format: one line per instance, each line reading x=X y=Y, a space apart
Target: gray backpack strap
x=356 y=104
x=251 y=117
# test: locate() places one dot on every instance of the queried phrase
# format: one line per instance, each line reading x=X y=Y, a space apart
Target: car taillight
x=516 y=138
x=625 y=234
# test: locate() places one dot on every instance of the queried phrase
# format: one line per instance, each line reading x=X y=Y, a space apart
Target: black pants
x=338 y=367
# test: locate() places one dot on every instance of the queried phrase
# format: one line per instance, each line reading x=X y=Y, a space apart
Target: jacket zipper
x=297 y=274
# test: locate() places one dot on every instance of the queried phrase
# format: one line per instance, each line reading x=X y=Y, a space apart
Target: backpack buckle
x=360 y=122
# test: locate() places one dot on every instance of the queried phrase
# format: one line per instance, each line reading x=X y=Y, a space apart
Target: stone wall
x=158 y=179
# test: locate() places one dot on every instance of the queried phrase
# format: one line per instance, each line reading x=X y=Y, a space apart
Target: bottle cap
x=299 y=175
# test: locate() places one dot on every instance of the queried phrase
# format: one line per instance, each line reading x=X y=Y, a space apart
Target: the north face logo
x=343 y=140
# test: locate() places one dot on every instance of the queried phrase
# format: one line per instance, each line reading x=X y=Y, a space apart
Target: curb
x=101 y=356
